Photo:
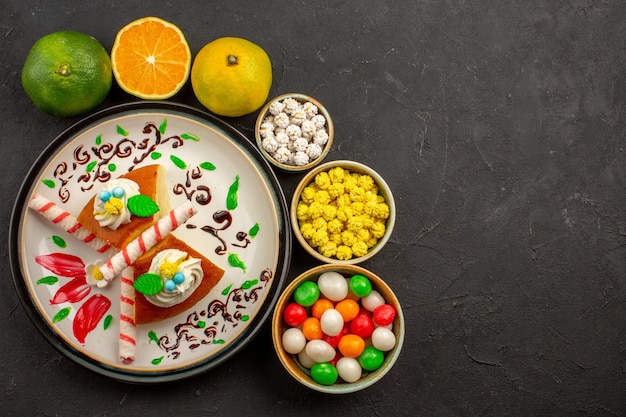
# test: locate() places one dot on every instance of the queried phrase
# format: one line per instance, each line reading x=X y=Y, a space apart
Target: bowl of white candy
x=294 y=132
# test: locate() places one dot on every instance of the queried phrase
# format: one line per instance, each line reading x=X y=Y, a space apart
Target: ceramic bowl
x=383 y=190
x=301 y=98
x=291 y=362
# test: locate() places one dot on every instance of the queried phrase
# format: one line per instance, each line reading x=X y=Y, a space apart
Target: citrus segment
x=151 y=58
x=231 y=76
x=67 y=73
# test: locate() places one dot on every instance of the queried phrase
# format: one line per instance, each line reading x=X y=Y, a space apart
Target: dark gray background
x=499 y=125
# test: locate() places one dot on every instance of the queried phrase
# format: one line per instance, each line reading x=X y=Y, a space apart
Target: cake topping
x=109 y=207
x=172 y=277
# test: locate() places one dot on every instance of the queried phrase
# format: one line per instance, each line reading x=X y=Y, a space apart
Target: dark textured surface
x=499 y=125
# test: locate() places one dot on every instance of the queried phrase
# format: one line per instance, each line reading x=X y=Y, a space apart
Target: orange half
x=151 y=58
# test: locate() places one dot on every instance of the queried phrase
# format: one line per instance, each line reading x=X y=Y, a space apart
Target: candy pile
x=338 y=327
x=341 y=214
x=293 y=133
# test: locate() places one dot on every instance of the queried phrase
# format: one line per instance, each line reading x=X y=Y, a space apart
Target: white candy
x=308 y=129
x=383 y=339
x=320 y=351
x=314 y=151
x=293 y=340
x=281 y=120
x=333 y=285
x=305 y=360
x=300 y=144
x=293 y=131
x=276 y=107
x=281 y=138
x=349 y=369
x=270 y=144
x=291 y=105
x=331 y=322
x=310 y=109
x=299 y=131
x=320 y=137
x=297 y=117
x=372 y=301
x=282 y=155
x=266 y=129
x=319 y=120
x=300 y=158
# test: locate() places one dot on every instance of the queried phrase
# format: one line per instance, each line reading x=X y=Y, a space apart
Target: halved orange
x=151 y=58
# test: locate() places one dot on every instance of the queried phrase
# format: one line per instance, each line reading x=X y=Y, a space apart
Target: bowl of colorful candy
x=342 y=212
x=294 y=132
x=338 y=328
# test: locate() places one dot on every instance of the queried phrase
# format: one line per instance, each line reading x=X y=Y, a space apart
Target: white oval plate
x=203 y=156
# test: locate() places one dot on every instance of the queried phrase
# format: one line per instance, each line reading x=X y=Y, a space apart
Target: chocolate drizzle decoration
x=225 y=314
x=94 y=164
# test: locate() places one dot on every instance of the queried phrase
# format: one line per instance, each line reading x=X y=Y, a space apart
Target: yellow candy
x=322 y=180
x=359 y=248
x=344 y=253
x=322 y=197
x=329 y=213
x=341 y=214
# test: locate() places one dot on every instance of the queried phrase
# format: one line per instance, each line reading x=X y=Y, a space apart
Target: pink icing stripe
x=64 y=220
x=127 y=343
x=146 y=240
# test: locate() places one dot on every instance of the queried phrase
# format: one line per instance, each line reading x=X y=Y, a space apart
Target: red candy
x=294 y=314
x=362 y=326
x=384 y=315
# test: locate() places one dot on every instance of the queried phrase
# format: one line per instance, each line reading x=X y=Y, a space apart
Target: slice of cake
x=108 y=216
x=183 y=277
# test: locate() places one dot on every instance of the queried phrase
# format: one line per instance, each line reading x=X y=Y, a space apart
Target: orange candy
x=312 y=329
x=348 y=309
x=351 y=345
x=320 y=306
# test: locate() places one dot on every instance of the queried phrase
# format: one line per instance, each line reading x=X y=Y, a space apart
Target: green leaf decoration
x=121 y=130
x=142 y=205
x=91 y=166
x=201 y=324
x=59 y=241
x=227 y=290
x=107 y=321
x=63 y=313
x=231 y=198
x=49 y=280
x=254 y=230
x=157 y=360
x=244 y=318
x=99 y=140
x=249 y=284
x=234 y=261
x=190 y=136
x=219 y=342
x=48 y=183
x=112 y=167
x=163 y=126
x=208 y=166
x=178 y=162
x=155 y=155
x=153 y=337
x=148 y=284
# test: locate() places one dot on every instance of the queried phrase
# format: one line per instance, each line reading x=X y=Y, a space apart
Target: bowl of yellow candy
x=342 y=212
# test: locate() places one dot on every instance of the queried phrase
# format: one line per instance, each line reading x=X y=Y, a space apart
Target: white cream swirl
x=191 y=269
x=113 y=213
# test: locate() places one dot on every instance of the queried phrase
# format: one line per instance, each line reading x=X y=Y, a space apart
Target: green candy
x=324 y=373
x=360 y=286
x=371 y=359
x=306 y=294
